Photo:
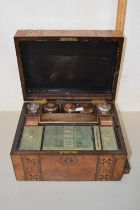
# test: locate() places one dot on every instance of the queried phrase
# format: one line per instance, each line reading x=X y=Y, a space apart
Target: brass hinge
x=40 y=101
x=98 y=101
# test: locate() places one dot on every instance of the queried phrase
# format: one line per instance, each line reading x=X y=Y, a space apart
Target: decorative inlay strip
x=31 y=165
x=105 y=167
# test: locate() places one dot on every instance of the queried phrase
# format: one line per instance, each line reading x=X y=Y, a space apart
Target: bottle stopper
x=104 y=108
x=33 y=107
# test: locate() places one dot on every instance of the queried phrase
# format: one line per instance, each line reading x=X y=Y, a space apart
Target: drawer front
x=68 y=167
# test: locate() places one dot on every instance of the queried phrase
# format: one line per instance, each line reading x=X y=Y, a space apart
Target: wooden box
x=68 y=68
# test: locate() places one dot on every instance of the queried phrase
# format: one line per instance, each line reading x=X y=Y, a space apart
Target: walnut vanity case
x=69 y=127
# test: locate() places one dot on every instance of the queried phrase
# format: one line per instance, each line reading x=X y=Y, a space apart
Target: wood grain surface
x=121 y=13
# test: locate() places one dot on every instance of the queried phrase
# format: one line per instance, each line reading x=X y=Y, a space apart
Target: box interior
x=69 y=66
x=82 y=67
x=69 y=131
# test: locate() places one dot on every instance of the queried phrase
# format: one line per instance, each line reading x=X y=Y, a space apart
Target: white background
x=72 y=14
x=64 y=14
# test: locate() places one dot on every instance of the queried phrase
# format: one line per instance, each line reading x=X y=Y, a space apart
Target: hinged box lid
x=68 y=64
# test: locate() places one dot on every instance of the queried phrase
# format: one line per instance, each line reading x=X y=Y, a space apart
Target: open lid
x=68 y=64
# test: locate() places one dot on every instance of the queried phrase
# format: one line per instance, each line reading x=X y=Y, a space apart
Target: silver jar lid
x=51 y=107
x=70 y=107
